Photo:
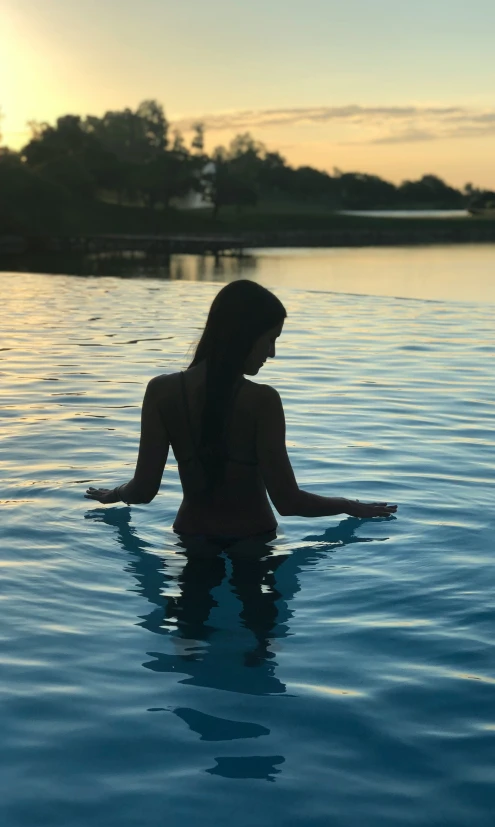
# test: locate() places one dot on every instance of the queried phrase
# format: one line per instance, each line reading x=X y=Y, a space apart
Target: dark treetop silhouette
x=227 y=432
x=72 y=177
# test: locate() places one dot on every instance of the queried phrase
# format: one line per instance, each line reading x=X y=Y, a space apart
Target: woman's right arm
x=278 y=475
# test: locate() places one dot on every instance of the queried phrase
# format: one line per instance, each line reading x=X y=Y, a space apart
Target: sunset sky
x=392 y=87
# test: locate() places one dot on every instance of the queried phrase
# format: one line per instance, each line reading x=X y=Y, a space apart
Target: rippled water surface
x=345 y=678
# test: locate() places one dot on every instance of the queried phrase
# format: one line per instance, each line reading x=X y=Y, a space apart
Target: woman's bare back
x=258 y=465
x=258 y=462
x=239 y=506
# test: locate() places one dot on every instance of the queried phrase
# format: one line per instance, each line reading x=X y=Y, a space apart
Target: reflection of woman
x=265 y=581
x=227 y=432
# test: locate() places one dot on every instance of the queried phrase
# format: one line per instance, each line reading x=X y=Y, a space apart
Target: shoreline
x=218 y=244
x=113 y=230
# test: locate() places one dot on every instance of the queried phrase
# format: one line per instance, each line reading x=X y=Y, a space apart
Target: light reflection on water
x=342 y=675
x=461 y=273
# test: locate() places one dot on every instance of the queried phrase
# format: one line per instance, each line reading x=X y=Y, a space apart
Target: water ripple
x=344 y=677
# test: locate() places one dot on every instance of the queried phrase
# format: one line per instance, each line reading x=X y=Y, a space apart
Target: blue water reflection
x=263 y=578
x=349 y=678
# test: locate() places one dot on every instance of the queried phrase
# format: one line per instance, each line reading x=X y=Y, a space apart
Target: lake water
x=348 y=677
x=409 y=213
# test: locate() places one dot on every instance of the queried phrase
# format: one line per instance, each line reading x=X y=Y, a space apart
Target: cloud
x=377 y=124
x=407 y=136
x=462 y=129
x=300 y=115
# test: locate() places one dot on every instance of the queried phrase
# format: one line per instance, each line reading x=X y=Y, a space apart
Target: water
x=409 y=213
x=354 y=682
x=465 y=273
x=460 y=273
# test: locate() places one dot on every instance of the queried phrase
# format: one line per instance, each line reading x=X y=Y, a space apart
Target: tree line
x=135 y=158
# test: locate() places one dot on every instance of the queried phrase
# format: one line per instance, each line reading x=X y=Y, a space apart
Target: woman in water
x=227 y=432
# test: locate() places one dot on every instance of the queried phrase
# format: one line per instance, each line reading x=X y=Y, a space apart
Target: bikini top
x=195 y=455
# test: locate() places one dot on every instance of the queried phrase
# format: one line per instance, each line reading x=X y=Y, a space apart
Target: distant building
x=194 y=200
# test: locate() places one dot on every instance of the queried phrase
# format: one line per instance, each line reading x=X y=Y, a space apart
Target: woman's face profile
x=263 y=349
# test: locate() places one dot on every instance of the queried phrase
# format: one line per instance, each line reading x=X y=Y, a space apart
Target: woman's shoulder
x=261 y=394
x=163 y=379
x=163 y=384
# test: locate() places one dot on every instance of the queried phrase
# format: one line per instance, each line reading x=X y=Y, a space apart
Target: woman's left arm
x=152 y=456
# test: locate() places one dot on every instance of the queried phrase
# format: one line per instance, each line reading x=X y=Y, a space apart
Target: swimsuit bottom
x=225 y=541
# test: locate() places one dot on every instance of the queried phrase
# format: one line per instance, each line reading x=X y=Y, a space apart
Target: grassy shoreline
x=294 y=226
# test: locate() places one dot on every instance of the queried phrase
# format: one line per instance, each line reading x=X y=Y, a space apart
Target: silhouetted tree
x=170 y=175
x=28 y=203
x=359 y=191
x=133 y=137
x=127 y=153
x=65 y=154
x=71 y=173
x=482 y=199
x=226 y=185
x=179 y=146
x=274 y=173
x=198 y=141
x=47 y=142
x=430 y=191
x=233 y=177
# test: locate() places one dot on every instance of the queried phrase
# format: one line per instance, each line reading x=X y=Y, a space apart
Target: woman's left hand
x=102 y=495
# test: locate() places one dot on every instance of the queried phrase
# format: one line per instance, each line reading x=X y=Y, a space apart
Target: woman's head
x=239 y=335
x=263 y=349
x=242 y=325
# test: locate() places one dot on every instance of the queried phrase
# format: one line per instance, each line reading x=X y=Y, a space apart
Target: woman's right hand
x=355 y=508
x=103 y=495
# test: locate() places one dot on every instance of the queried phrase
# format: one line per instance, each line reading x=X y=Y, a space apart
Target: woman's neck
x=199 y=371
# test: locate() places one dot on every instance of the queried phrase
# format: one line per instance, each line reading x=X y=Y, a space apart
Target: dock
x=379 y=234
x=123 y=243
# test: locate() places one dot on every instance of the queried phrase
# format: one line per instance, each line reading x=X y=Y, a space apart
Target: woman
x=227 y=432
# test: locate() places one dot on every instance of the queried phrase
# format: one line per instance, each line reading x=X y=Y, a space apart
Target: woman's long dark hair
x=240 y=313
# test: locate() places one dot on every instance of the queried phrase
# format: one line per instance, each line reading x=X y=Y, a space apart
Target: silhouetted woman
x=227 y=432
